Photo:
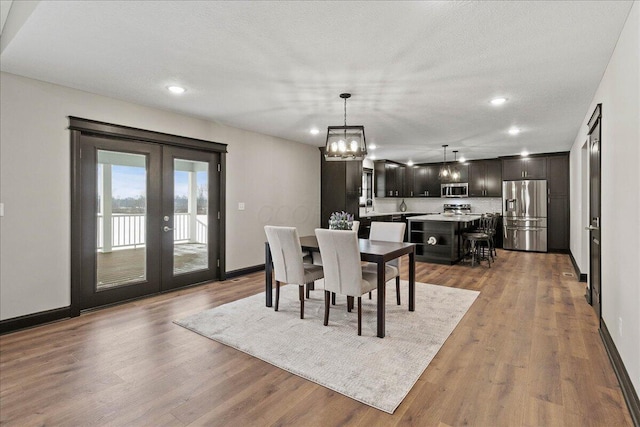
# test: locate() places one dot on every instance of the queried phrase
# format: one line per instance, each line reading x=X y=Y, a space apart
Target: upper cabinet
x=431 y=185
x=421 y=181
x=524 y=168
x=558 y=175
x=485 y=178
x=389 y=178
x=463 y=170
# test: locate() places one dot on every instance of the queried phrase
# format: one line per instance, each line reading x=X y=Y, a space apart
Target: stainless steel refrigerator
x=525 y=215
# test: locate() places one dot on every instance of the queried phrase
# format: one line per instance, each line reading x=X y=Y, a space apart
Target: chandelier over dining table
x=345 y=143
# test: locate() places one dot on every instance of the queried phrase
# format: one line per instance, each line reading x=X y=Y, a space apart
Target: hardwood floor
x=527 y=353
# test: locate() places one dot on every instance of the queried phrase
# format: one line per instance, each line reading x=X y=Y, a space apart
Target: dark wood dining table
x=375 y=251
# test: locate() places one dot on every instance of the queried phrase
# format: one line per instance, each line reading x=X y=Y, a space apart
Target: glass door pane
x=121 y=220
x=191 y=213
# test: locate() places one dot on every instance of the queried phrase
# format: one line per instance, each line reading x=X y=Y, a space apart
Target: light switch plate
x=241 y=206
x=1 y=209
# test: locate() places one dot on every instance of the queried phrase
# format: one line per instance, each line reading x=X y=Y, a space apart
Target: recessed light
x=314 y=131
x=498 y=101
x=409 y=163
x=176 y=89
x=372 y=157
x=524 y=154
x=462 y=160
x=373 y=147
x=514 y=131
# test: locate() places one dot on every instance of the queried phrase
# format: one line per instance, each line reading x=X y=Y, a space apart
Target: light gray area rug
x=377 y=372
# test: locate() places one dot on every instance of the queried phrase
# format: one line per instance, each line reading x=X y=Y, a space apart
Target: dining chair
x=289 y=267
x=317 y=258
x=389 y=232
x=343 y=271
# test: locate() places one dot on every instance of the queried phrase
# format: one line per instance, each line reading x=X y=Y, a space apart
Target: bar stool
x=475 y=241
x=489 y=224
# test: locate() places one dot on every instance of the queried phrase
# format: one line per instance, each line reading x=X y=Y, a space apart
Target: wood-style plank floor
x=527 y=353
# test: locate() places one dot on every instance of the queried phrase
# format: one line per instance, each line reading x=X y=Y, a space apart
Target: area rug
x=376 y=371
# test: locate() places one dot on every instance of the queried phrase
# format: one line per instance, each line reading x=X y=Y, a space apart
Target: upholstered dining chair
x=317 y=258
x=286 y=253
x=343 y=272
x=389 y=232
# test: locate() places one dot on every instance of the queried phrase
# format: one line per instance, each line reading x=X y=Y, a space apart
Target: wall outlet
x=241 y=206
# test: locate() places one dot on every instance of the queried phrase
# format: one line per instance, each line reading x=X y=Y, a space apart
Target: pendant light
x=455 y=172
x=445 y=170
x=345 y=142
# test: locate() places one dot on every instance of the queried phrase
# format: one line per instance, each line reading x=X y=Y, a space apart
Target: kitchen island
x=438 y=238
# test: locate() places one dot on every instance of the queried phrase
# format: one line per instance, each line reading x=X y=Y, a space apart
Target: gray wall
x=35 y=185
x=619 y=93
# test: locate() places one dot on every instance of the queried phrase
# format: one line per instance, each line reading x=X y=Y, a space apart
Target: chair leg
x=398 y=289
x=369 y=295
x=333 y=298
x=349 y=304
x=277 y=295
x=301 y=296
x=326 y=307
x=472 y=249
x=359 y=315
x=308 y=290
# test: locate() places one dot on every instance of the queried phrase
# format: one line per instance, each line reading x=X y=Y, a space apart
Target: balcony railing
x=128 y=230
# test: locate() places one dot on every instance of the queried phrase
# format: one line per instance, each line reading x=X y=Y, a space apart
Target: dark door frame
x=80 y=127
x=595 y=121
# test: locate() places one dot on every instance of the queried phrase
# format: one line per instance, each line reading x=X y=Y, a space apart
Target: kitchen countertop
x=447 y=218
x=374 y=214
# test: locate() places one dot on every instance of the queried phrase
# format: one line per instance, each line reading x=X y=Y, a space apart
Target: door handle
x=165 y=229
x=591 y=227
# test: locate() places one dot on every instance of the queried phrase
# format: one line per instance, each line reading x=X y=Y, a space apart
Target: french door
x=149 y=219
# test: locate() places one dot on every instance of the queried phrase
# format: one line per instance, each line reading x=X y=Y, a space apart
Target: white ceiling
x=421 y=73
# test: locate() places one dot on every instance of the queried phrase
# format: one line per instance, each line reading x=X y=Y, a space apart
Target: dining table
x=375 y=251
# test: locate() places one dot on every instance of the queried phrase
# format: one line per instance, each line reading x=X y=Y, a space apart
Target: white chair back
x=286 y=253
x=340 y=261
x=387 y=231
x=355 y=227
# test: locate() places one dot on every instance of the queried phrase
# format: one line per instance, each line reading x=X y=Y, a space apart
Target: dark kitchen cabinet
x=558 y=202
x=485 y=178
x=558 y=224
x=558 y=175
x=341 y=183
x=389 y=179
x=463 y=170
x=524 y=168
x=431 y=186
x=416 y=181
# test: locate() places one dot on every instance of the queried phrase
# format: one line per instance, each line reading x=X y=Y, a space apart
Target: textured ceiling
x=421 y=73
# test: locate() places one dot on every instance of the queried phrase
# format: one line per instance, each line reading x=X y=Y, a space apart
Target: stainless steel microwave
x=457 y=189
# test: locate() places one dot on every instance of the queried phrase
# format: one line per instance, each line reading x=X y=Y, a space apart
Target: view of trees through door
x=148 y=218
